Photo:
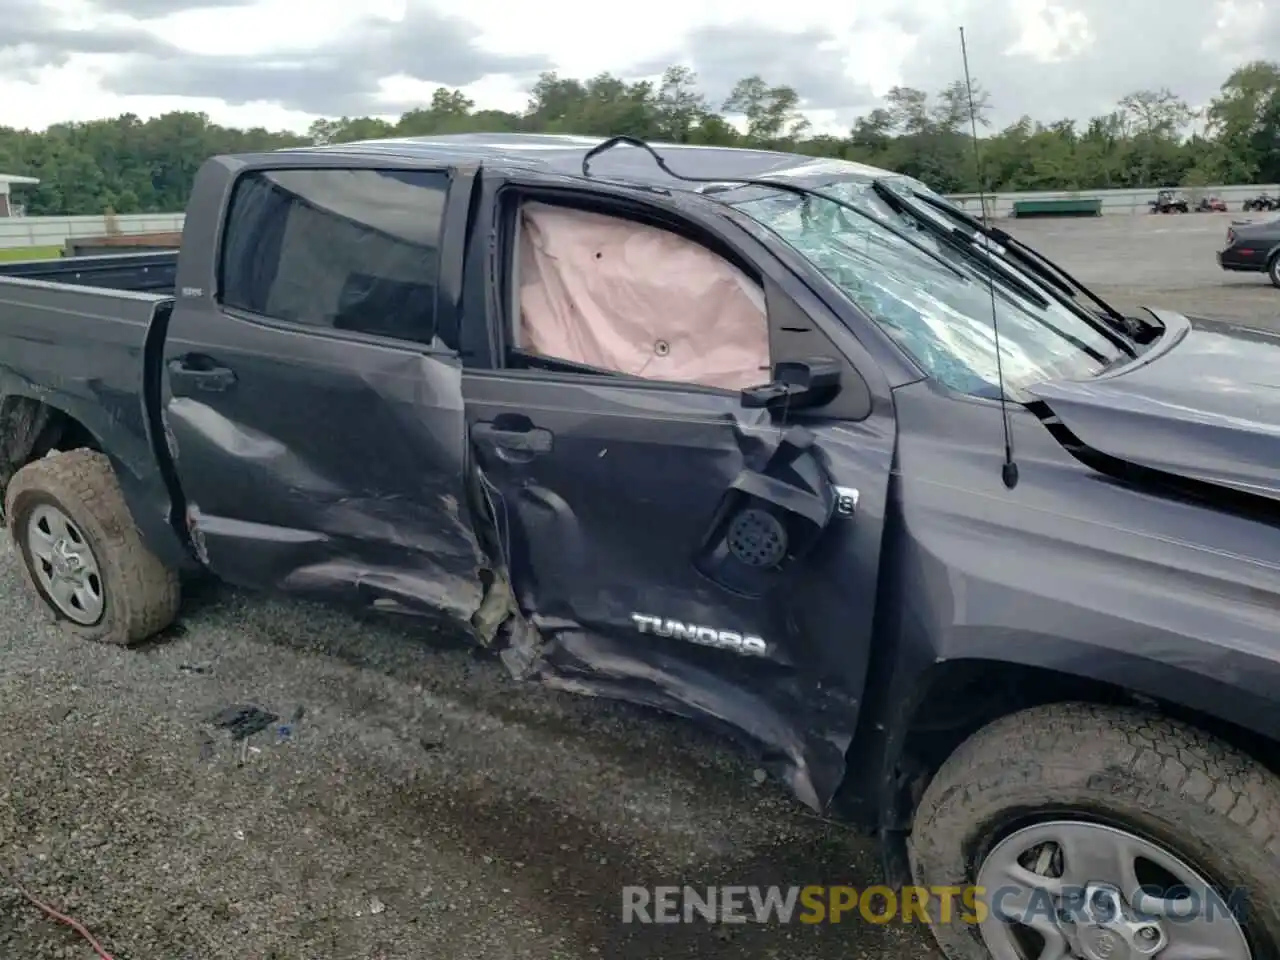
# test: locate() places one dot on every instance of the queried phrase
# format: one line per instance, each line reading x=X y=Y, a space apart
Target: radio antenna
x=1009 y=472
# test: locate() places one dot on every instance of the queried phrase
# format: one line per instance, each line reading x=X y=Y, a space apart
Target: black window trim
x=435 y=348
x=330 y=333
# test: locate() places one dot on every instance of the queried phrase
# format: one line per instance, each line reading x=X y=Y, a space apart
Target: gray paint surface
x=422 y=777
x=268 y=502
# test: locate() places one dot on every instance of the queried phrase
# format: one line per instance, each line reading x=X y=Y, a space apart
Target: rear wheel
x=81 y=553
x=1273 y=269
x=1103 y=835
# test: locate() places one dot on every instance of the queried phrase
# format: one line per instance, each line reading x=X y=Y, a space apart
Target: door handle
x=201 y=373
x=522 y=438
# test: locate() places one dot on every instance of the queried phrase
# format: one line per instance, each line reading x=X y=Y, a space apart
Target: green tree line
x=1151 y=138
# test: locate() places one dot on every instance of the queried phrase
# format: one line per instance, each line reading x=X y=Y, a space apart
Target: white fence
x=54 y=231
x=1116 y=201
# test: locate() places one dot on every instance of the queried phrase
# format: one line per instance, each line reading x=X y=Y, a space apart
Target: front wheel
x=1273 y=269
x=1104 y=834
x=81 y=553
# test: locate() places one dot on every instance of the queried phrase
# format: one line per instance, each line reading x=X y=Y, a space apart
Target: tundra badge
x=745 y=644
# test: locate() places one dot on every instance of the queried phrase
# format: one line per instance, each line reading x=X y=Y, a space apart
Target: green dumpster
x=1074 y=207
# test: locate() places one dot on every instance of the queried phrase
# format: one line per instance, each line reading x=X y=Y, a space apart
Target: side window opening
x=346 y=249
x=598 y=293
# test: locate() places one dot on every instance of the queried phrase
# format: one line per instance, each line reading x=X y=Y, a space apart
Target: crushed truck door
x=672 y=539
x=314 y=417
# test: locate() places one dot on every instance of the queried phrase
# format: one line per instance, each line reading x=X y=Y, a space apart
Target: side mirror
x=796 y=384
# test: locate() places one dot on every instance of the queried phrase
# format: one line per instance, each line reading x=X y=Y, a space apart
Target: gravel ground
x=422 y=805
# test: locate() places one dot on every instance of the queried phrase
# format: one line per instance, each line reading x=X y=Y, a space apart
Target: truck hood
x=1203 y=406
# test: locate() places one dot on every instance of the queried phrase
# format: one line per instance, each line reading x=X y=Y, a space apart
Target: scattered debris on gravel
x=361 y=788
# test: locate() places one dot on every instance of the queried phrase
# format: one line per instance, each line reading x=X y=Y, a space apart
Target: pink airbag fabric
x=634 y=299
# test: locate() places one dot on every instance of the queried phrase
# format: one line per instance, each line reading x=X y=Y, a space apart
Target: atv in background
x=1262 y=201
x=1211 y=205
x=1168 y=201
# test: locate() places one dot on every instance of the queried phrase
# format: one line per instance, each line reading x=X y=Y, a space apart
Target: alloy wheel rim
x=1073 y=890
x=64 y=565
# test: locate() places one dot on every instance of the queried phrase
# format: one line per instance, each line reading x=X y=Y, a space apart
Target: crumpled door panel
x=801 y=729
x=635 y=576
x=337 y=474
x=769 y=519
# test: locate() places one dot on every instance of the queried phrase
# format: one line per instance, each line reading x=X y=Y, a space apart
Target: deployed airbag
x=634 y=299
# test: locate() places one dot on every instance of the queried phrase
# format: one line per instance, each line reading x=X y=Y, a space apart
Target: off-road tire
x=141 y=594
x=1212 y=805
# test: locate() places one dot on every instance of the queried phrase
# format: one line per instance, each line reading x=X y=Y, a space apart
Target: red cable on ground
x=68 y=921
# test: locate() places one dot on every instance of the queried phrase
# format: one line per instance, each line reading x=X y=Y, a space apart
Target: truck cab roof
x=562 y=154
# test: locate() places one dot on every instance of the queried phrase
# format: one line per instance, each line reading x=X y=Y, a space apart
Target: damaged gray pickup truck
x=794 y=447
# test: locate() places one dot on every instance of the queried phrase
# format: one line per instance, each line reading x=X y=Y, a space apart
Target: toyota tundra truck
x=793 y=447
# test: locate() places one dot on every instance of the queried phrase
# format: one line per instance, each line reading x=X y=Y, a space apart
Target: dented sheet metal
x=801 y=729
x=639 y=555
x=621 y=537
x=366 y=506
x=686 y=561
x=1187 y=416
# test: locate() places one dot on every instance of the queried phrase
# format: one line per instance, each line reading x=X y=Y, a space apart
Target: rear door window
x=345 y=249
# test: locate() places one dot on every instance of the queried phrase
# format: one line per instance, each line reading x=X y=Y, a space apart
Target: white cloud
x=279 y=63
x=1050 y=32
x=71 y=93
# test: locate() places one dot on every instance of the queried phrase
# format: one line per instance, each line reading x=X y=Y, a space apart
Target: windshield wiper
x=959 y=239
x=1029 y=257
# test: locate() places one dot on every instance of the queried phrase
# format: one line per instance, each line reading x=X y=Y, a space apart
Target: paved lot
x=1157 y=261
x=423 y=806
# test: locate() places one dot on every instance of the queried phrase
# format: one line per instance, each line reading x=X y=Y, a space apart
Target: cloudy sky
x=280 y=63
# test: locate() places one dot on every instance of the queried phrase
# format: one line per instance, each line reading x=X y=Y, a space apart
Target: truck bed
x=81 y=316
x=73 y=334
x=150 y=272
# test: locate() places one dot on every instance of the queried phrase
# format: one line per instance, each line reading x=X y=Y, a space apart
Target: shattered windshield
x=941 y=317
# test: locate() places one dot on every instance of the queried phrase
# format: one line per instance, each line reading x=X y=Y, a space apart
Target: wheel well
x=30 y=429
x=963 y=697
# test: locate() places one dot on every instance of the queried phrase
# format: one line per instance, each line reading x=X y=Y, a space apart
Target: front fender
x=921 y=706
x=1215 y=678
x=927 y=710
